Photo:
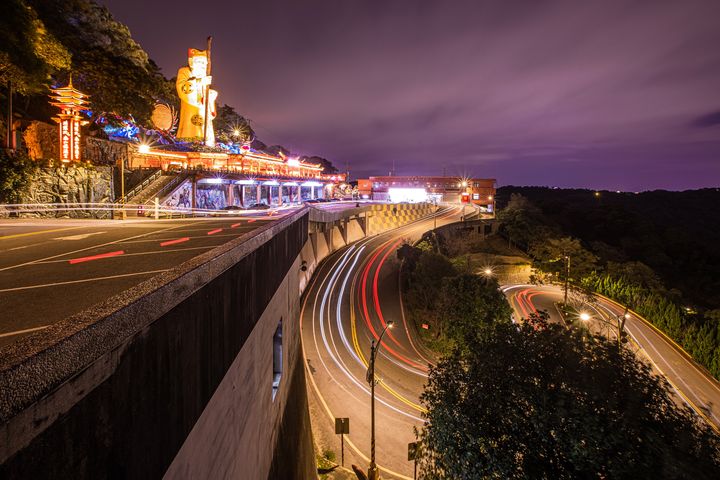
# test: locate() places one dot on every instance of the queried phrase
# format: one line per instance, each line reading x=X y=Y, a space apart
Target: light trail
x=347 y=283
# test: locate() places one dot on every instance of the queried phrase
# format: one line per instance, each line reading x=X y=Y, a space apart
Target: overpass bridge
x=195 y=372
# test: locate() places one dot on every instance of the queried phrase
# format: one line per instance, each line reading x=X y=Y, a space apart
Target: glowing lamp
x=143 y=148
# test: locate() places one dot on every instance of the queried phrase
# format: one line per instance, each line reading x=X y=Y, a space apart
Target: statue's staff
x=208 y=70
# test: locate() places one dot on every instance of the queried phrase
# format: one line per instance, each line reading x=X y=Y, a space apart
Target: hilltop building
x=478 y=191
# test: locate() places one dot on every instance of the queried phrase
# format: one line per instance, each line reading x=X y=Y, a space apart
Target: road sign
x=342 y=426
x=412 y=456
x=412 y=450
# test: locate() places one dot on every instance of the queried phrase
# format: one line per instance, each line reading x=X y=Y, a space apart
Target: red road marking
x=251 y=220
x=235 y=225
x=213 y=232
x=96 y=257
x=173 y=242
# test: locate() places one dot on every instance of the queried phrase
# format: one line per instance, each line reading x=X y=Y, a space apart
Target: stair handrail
x=142 y=186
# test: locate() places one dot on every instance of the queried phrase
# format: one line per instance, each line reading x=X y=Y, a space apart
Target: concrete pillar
x=280 y=199
x=230 y=194
x=242 y=195
x=257 y=196
x=312 y=193
x=269 y=195
x=194 y=192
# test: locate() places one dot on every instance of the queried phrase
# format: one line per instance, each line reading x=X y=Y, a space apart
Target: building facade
x=480 y=192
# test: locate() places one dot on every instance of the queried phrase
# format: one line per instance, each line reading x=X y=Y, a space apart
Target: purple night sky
x=606 y=94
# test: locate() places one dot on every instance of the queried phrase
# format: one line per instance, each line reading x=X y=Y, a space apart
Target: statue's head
x=197 y=61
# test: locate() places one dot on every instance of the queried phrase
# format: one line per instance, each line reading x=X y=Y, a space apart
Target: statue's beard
x=198 y=71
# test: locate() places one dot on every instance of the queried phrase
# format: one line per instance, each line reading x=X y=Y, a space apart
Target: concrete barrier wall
x=332 y=230
x=172 y=376
x=388 y=216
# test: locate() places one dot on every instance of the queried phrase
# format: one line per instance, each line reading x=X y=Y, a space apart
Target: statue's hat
x=192 y=52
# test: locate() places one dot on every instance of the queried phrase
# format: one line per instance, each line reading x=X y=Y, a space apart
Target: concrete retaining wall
x=332 y=230
x=387 y=216
x=172 y=377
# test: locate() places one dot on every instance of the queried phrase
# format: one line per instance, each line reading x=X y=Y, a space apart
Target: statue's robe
x=192 y=107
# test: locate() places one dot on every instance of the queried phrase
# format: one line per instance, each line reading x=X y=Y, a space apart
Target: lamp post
x=621 y=335
x=567 y=279
x=370 y=377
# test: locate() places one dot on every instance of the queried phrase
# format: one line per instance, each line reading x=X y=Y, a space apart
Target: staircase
x=158 y=186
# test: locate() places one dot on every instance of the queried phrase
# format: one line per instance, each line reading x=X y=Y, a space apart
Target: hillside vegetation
x=654 y=251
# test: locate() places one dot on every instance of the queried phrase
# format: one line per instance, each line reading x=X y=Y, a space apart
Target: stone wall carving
x=71 y=184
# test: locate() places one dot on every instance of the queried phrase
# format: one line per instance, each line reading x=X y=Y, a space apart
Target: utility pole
x=567 y=278
x=122 y=188
x=370 y=377
x=9 y=130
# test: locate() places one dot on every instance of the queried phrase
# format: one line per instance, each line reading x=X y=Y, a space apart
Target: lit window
x=277 y=359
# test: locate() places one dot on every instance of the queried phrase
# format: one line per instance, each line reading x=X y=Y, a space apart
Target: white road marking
x=81 y=236
x=92 y=247
x=94 y=279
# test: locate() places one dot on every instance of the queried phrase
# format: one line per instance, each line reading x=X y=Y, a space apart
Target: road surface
x=51 y=269
x=691 y=382
x=352 y=296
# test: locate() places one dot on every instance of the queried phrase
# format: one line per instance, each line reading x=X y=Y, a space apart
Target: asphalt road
x=353 y=294
x=690 y=381
x=51 y=269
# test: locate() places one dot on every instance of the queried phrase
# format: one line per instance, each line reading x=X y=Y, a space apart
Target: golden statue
x=193 y=86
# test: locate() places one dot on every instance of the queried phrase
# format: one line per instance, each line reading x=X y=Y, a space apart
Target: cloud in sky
x=607 y=94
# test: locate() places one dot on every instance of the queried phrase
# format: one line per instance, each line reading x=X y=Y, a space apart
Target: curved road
x=353 y=294
x=693 y=384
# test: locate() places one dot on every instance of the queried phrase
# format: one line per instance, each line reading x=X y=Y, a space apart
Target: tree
x=16 y=171
x=551 y=256
x=426 y=280
x=545 y=403
x=468 y=304
x=29 y=53
x=106 y=62
x=230 y=126
x=523 y=222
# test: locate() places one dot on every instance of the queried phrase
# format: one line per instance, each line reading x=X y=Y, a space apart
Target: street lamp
x=621 y=335
x=370 y=377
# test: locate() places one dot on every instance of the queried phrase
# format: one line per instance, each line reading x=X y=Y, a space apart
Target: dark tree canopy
x=545 y=402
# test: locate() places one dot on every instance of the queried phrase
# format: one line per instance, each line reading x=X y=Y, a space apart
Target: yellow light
x=584 y=316
x=144 y=148
x=488 y=271
x=464 y=184
x=490 y=197
x=236 y=132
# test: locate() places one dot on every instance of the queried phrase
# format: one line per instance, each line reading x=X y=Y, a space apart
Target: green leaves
x=545 y=403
